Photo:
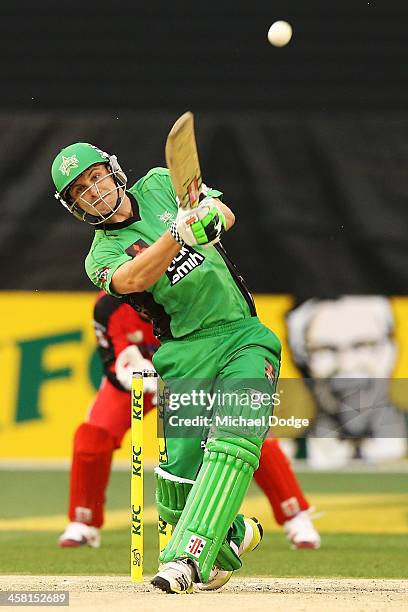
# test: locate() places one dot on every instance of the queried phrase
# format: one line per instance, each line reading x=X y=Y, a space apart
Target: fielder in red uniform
x=126 y=343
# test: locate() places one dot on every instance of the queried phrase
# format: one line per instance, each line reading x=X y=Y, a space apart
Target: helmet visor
x=99 y=201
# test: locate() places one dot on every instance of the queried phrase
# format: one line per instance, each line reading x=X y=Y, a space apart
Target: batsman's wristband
x=174 y=232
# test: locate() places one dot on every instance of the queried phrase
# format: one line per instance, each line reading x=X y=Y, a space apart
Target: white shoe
x=176 y=576
x=252 y=538
x=79 y=534
x=300 y=531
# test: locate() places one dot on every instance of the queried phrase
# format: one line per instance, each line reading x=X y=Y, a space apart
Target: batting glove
x=202 y=225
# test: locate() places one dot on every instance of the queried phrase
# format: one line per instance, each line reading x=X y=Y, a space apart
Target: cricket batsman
x=169 y=265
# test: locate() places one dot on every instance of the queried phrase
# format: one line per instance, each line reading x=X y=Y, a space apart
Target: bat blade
x=182 y=161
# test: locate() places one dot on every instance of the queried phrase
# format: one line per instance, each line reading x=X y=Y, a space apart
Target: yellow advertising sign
x=50 y=369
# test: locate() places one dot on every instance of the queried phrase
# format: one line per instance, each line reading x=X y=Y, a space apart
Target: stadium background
x=309 y=144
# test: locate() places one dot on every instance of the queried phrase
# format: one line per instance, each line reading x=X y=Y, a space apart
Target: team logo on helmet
x=68 y=164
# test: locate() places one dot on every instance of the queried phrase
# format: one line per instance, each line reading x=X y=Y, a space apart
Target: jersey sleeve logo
x=102 y=275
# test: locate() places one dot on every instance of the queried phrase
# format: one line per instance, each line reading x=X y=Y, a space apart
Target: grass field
x=364 y=527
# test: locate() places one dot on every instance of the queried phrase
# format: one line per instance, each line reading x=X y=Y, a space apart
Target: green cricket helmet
x=70 y=163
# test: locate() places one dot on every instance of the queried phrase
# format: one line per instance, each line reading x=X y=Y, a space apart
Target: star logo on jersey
x=68 y=164
x=167 y=217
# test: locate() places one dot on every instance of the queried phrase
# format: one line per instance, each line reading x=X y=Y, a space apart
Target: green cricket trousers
x=233 y=354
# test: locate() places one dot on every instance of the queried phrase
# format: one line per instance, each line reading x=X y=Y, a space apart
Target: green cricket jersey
x=200 y=289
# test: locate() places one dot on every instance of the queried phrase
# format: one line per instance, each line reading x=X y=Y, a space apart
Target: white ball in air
x=280 y=33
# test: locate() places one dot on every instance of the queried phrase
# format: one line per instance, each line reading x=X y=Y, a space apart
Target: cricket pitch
x=118 y=593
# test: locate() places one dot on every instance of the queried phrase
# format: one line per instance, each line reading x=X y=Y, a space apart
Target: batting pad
x=213 y=504
x=171 y=495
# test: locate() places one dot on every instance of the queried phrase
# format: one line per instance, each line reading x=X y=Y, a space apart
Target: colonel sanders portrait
x=346 y=351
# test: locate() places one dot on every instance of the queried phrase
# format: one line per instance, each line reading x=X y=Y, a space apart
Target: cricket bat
x=182 y=161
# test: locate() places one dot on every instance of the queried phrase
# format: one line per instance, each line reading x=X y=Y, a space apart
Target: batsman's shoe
x=252 y=539
x=176 y=576
x=301 y=532
x=79 y=534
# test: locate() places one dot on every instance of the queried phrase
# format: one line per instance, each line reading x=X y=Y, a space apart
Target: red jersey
x=117 y=325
